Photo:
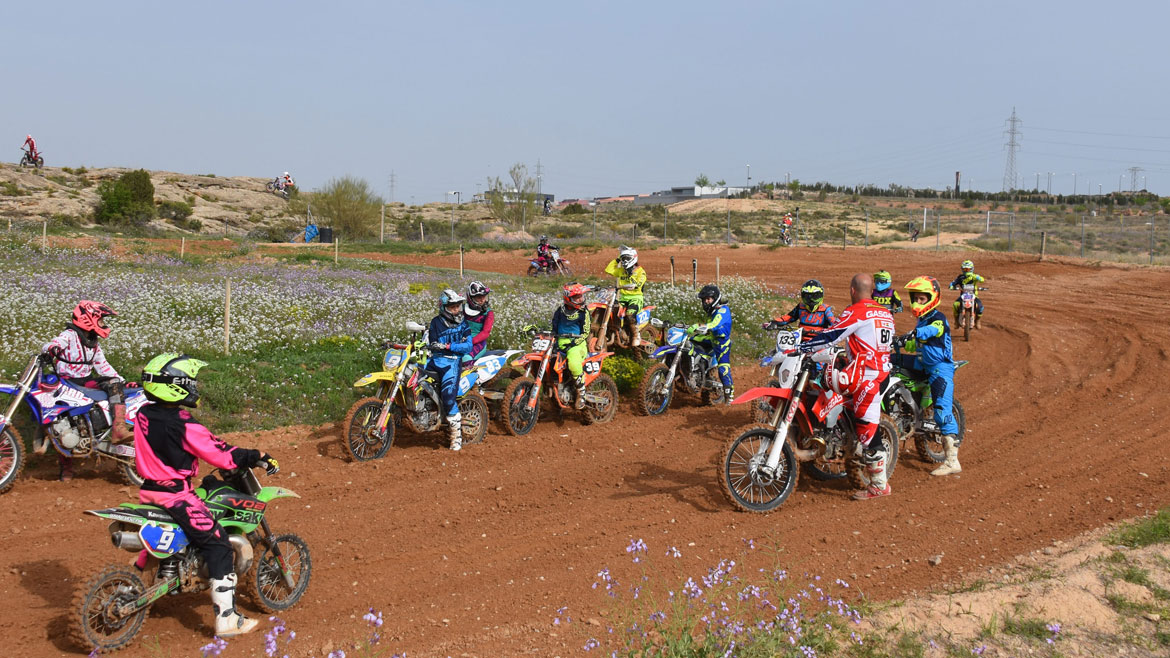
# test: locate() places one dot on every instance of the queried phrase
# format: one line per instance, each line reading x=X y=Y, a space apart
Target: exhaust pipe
x=243 y=551
x=129 y=541
x=811 y=454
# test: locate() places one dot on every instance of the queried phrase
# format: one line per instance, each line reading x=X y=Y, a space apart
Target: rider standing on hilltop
x=31 y=144
x=630 y=279
x=968 y=276
x=868 y=328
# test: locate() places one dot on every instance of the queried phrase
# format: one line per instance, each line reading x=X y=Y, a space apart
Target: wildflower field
x=301 y=331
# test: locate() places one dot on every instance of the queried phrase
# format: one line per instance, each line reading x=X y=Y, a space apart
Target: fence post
x=182 y=246
x=694 y=273
x=672 y=270
x=987 y=230
x=716 y=270
x=937 y=230
x=336 y=246
x=844 y=237
x=1082 y=236
x=1043 y=243
x=665 y=215
x=1009 y=232
x=421 y=236
x=460 y=260
x=1151 y=240
x=227 y=319
x=382 y=235
x=45 y=235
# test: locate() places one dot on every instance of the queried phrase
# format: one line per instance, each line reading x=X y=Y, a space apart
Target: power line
x=1089 y=132
x=1009 y=170
x=1102 y=146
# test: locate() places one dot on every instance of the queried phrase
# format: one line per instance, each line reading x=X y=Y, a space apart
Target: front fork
x=534 y=394
x=388 y=403
x=789 y=411
x=266 y=539
x=25 y=381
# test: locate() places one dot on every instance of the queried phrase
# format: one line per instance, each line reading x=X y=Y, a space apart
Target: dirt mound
x=473 y=552
x=224 y=206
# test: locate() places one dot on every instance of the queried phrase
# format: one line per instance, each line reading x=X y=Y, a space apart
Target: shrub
x=138 y=182
x=574 y=209
x=349 y=206
x=174 y=210
x=625 y=372
x=127 y=200
x=8 y=188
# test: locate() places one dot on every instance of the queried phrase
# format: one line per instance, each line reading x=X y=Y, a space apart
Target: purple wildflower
x=214 y=648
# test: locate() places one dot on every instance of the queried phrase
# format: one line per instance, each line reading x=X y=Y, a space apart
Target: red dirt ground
x=472 y=553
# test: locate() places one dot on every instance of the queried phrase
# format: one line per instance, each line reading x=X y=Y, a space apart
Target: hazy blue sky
x=612 y=97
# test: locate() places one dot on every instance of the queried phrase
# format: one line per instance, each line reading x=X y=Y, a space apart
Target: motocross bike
x=967 y=309
x=76 y=425
x=690 y=369
x=408 y=393
x=759 y=470
x=905 y=400
x=608 y=326
x=112 y=606
x=786 y=236
x=29 y=159
x=557 y=266
x=546 y=367
x=280 y=188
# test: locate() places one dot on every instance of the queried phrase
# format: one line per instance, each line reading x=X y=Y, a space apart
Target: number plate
x=540 y=344
x=393 y=358
x=158 y=539
x=786 y=340
x=674 y=335
x=591 y=367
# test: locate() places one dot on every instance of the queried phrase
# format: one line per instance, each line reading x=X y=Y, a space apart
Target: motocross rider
x=968 y=275
x=570 y=324
x=630 y=279
x=543 y=257
x=811 y=312
x=450 y=338
x=715 y=335
x=480 y=317
x=31 y=144
x=168 y=444
x=884 y=293
x=868 y=328
x=934 y=363
x=77 y=357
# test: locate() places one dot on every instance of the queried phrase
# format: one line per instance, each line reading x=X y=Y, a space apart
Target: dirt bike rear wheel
x=362 y=440
x=744 y=485
x=651 y=398
x=130 y=474
x=269 y=589
x=474 y=410
x=11 y=457
x=533 y=270
x=931 y=447
x=603 y=386
x=40 y=162
x=514 y=414
x=94 y=626
x=712 y=396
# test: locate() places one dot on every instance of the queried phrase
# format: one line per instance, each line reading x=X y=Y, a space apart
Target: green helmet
x=172 y=378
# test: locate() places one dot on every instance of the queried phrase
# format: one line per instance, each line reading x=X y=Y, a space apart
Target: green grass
x=1144 y=532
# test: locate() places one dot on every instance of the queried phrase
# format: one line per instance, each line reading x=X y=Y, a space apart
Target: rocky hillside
x=231 y=206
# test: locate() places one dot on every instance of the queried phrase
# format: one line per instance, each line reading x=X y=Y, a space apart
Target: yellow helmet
x=927 y=285
x=968 y=266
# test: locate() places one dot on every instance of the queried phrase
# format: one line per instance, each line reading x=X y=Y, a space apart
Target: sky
x=609 y=97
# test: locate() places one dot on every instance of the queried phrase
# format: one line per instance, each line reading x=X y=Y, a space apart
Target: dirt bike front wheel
x=363 y=440
x=653 y=394
x=517 y=418
x=11 y=457
x=97 y=624
x=743 y=476
x=272 y=574
x=966 y=326
x=474 y=410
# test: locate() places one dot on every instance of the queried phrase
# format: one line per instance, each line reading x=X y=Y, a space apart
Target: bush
x=574 y=209
x=138 y=182
x=349 y=206
x=625 y=372
x=174 y=210
x=128 y=200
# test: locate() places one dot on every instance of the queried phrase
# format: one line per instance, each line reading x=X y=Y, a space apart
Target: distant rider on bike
x=715 y=335
x=630 y=279
x=81 y=364
x=868 y=328
x=570 y=325
x=31 y=145
x=884 y=293
x=450 y=338
x=811 y=312
x=934 y=363
x=543 y=255
x=168 y=444
x=480 y=317
x=968 y=276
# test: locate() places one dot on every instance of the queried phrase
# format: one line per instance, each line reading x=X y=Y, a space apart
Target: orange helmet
x=574 y=294
x=927 y=285
x=91 y=316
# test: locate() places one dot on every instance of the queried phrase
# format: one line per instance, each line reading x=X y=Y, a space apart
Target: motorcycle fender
x=268 y=494
x=960 y=364
x=766 y=361
x=531 y=357
x=592 y=306
x=9 y=390
x=374 y=377
x=773 y=394
x=664 y=351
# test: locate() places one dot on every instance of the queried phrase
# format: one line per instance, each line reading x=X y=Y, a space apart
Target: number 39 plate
x=540 y=345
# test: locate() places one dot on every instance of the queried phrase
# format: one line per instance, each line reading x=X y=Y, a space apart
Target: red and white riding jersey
x=75 y=360
x=868 y=329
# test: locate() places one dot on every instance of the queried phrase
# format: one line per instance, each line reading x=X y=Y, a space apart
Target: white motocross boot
x=228 y=622
x=875 y=468
x=455 y=431
x=579 y=386
x=951 y=465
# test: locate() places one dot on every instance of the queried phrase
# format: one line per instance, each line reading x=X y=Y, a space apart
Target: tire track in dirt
x=473 y=552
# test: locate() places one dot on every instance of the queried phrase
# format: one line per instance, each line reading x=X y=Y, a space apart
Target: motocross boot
x=118 y=430
x=66 y=464
x=951 y=465
x=728 y=394
x=579 y=384
x=979 y=321
x=875 y=467
x=636 y=336
x=228 y=622
x=455 y=431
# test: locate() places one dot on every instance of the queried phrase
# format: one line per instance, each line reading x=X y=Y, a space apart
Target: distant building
x=686 y=193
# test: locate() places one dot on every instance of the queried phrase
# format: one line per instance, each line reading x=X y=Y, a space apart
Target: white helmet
x=286 y=174
x=628 y=257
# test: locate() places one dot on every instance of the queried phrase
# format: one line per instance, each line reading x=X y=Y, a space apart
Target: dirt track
x=471 y=553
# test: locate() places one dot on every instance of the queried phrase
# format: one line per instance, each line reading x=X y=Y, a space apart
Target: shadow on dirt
x=697 y=489
x=46 y=578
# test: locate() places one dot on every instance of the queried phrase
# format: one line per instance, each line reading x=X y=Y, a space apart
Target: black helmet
x=544 y=239
x=812 y=293
x=710 y=291
x=475 y=289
